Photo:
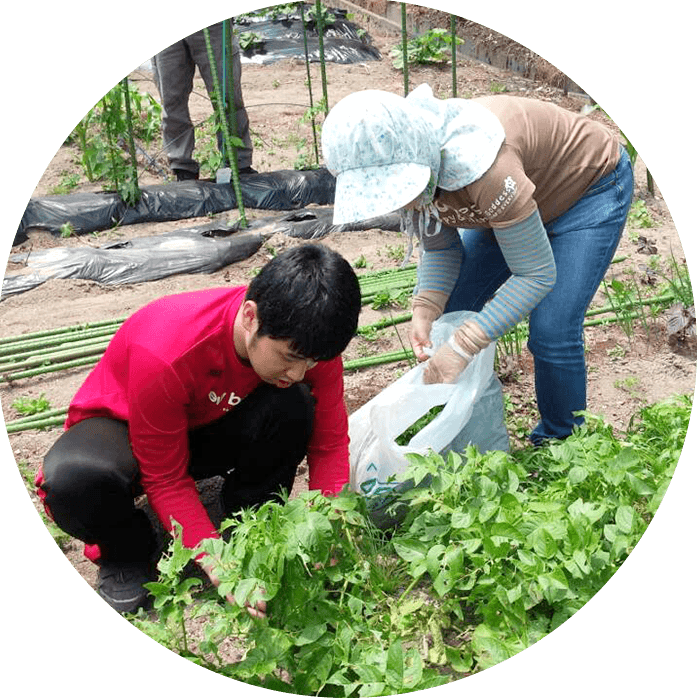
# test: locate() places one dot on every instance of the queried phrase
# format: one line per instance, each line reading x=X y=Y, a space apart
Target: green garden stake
x=131 y=189
x=227 y=80
x=454 y=55
x=320 y=24
x=308 y=81
x=228 y=140
x=404 y=48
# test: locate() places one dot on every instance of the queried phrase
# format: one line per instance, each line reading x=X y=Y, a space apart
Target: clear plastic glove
x=427 y=306
x=445 y=365
x=453 y=357
x=421 y=325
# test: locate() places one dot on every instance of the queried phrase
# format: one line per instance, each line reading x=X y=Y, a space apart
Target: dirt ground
x=624 y=373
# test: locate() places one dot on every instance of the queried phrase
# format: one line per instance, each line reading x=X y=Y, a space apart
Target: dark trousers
x=90 y=476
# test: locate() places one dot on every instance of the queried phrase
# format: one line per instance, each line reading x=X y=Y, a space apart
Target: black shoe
x=185 y=175
x=121 y=584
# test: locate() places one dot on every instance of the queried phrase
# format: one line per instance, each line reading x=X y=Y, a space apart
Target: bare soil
x=625 y=373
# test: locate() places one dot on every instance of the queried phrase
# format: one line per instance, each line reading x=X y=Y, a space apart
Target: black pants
x=91 y=477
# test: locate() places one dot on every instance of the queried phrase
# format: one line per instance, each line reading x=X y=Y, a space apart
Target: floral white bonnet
x=386 y=151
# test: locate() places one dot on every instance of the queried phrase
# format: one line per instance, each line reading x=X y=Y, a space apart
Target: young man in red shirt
x=238 y=382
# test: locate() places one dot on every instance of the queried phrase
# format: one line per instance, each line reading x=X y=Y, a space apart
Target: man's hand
x=259 y=610
x=319 y=565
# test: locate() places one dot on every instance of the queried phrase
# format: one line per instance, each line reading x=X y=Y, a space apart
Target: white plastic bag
x=473 y=413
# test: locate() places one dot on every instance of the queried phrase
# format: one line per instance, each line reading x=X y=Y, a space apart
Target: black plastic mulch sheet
x=311 y=224
x=204 y=249
x=282 y=190
x=283 y=37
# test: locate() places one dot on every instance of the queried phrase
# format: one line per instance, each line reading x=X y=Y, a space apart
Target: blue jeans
x=584 y=239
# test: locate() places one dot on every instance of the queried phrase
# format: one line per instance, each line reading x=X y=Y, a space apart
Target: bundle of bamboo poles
x=42 y=352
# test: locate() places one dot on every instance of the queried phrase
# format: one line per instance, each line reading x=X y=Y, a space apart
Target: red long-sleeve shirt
x=172 y=367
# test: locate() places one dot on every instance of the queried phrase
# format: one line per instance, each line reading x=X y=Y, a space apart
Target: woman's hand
x=427 y=306
x=453 y=357
x=445 y=366
x=421 y=325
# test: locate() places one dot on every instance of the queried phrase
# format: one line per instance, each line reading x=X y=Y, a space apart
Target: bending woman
x=518 y=207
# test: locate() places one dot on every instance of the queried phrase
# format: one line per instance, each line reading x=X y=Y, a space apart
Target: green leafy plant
x=249 y=41
x=103 y=136
x=630 y=385
x=398 y=298
x=306 y=159
x=434 y=46
x=319 y=16
x=617 y=352
x=416 y=427
x=677 y=282
x=67 y=229
x=29 y=407
x=639 y=216
x=69 y=181
x=360 y=262
x=493 y=552
x=521 y=415
x=396 y=252
x=625 y=299
x=207 y=152
x=369 y=333
x=273 y=12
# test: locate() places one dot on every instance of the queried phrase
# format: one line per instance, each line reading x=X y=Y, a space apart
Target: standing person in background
x=174 y=72
x=518 y=206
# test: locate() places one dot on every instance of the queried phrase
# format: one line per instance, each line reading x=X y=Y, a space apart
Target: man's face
x=276 y=363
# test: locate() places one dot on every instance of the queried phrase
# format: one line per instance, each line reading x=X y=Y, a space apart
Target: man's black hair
x=310 y=296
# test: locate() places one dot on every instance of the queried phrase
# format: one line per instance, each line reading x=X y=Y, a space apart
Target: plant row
x=492 y=552
x=43 y=352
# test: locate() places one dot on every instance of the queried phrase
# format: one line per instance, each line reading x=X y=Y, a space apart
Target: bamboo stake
x=14 y=353
x=385 y=322
x=56 y=331
x=223 y=122
x=56 y=412
x=41 y=360
x=49 y=422
x=384 y=358
x=132 y=191
x=320 y=22
x=454 y=55
x=53 y=368
x=227 y=78
x=57 y=416
x=661 y=299
x=308 y=81
x=404 y=48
